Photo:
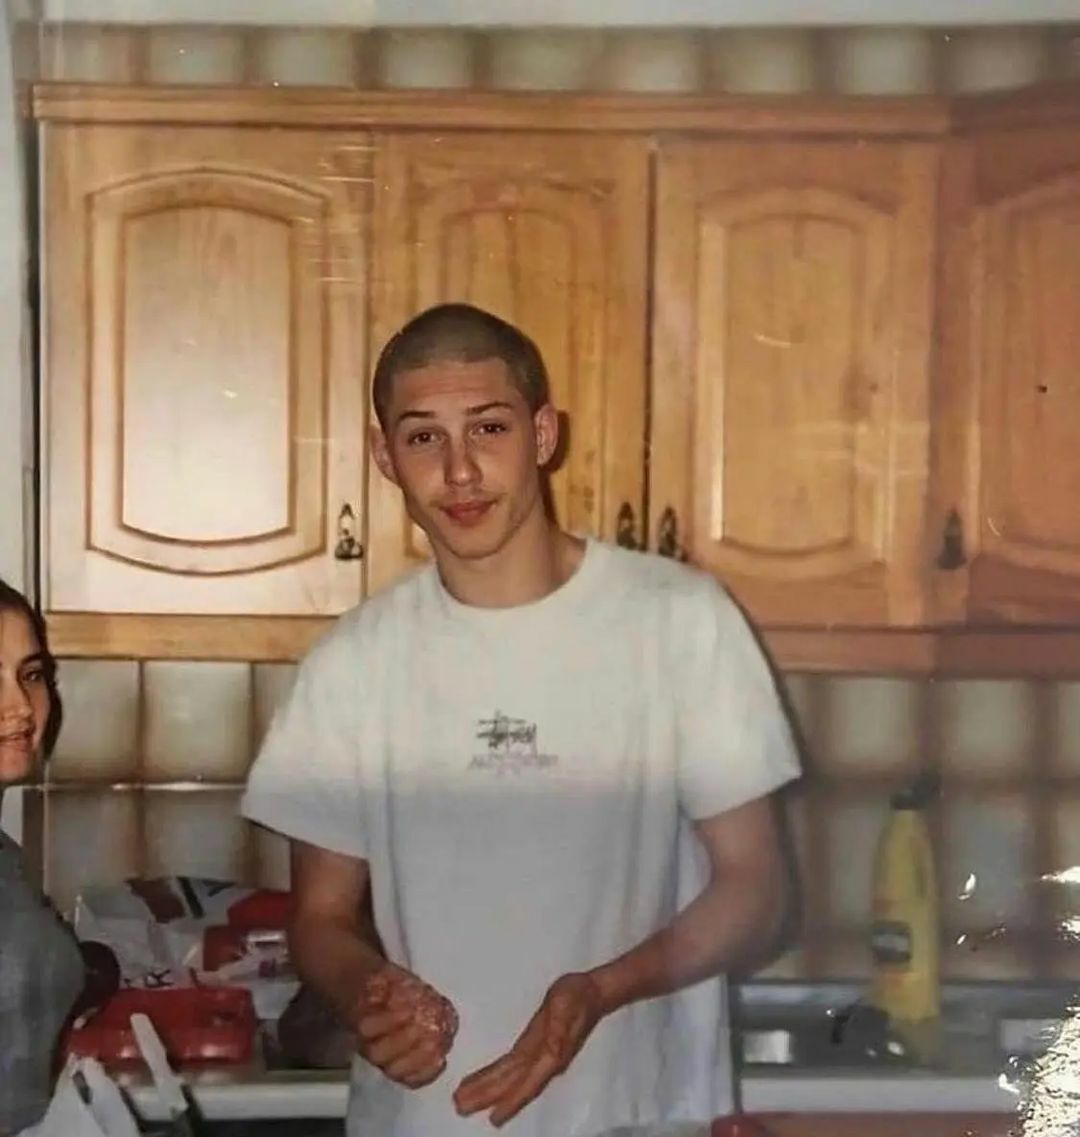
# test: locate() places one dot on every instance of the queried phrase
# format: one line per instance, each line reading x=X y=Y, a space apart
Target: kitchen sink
x=830 y=1025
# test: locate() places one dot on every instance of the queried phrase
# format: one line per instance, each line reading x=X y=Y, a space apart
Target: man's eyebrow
x=415 y=414
x=479 y=409
x=495 y=404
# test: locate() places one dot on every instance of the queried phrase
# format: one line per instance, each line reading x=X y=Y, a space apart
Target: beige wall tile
x=802 y=691
x=539 y=60
x=853 y=829
x=847 y=958
x=655 y=61
x=198 y=721
x=766 y=61
x=988 y=59
x=306 y=57
x=91 y=837
x=873 y=726
x=89 y=53
x=273 y=682
x=985 y=727
x=1066 y=756
x=426 y=59
x=988 y=877
x=99 y=737
x=985 y=959
x=196 y=833
x=882 y=61
x=194 y=55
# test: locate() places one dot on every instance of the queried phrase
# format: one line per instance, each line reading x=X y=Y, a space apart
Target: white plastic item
x=106 y=1114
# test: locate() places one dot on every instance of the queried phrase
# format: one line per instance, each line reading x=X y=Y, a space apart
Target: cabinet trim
x=255 y=639
x=986 y=653
x=761 y=115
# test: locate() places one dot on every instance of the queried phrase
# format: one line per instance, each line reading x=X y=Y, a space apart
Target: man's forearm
x=336 y=959
x=729 y=927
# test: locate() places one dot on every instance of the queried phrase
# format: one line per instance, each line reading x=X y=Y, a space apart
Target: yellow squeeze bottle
x=905 y=935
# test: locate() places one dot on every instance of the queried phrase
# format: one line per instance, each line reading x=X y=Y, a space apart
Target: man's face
x=465 y=450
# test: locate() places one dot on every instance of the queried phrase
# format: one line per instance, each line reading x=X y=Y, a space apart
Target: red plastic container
x=267 y=908
x=196 y=1024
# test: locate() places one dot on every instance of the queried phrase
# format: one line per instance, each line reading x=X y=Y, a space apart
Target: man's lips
x=467 y=512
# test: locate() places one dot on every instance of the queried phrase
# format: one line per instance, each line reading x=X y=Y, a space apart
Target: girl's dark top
x=41 y=975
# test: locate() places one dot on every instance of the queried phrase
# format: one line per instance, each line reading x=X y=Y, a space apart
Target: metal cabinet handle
x=348 y=548
x=667 y=536
x=952 y=555
x=626 y=527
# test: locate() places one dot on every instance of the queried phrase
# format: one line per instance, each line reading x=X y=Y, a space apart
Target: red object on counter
x=738 y=1125
x=196 y=1024
x=267 y=908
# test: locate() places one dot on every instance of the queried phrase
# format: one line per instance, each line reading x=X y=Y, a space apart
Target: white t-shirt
x=520 y=781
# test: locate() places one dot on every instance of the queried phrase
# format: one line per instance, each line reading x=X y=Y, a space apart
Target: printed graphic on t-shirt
x=511 y=746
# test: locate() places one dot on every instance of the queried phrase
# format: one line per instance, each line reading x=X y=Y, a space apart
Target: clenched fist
x=405 y=1027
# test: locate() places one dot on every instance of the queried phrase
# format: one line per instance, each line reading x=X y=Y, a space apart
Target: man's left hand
x=570 y=1011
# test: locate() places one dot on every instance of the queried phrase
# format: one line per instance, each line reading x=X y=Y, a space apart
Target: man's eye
x=420 y=438
x=492 y=427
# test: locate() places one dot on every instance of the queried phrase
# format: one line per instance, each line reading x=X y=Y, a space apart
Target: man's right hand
x=404 y=1027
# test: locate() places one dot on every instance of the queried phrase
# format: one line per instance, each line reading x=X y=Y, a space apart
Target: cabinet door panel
x=790 y=375
x=549 y=233
x=1009 y=459
x=204 y=370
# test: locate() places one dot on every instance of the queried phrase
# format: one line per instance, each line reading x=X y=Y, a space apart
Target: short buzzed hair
x=459 y=333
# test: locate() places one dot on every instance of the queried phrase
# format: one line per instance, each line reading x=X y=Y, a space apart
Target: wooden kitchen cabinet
x=204 y=379
x=1009 y=443
x=548 y=231
x=789 y=449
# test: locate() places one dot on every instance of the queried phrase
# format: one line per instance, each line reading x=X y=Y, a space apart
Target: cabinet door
x=1009 y=450
x=204 y=363
x=546 y=231
x=790 y=373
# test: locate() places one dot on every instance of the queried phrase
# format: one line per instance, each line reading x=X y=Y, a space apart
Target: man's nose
x=461 y=467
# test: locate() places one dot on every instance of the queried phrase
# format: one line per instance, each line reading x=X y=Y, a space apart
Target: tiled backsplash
x=884 y=61
x=151 y=762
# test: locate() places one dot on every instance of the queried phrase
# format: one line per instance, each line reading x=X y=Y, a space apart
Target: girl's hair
x=12 y=600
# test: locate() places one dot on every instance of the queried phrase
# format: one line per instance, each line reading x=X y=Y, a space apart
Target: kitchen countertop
x=224 y=1094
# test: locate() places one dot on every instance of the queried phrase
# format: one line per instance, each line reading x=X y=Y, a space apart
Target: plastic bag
x=180 y=931
x=85 y=1103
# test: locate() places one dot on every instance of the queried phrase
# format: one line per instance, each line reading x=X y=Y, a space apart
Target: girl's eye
x=34 y=675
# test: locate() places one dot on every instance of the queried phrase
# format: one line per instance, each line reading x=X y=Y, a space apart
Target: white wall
x=567 y=12
x=14 y=378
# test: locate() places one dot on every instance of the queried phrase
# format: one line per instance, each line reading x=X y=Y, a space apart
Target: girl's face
x=25 y=700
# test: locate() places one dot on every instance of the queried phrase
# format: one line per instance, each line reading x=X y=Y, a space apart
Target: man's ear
x=546 y=425
x=380 y=451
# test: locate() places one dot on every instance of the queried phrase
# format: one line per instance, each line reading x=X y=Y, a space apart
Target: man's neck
x=537 y=560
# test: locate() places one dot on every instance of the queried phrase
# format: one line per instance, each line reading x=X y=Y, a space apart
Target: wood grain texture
x=791 y=372
x=1009 y=419
x=548 y=232
x=201 y=363
x=490 y=110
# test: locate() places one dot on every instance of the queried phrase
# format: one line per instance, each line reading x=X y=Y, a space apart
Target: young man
x=549 y=761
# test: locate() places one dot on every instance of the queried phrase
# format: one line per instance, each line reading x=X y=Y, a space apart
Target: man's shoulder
x=363 y=627
x=648 y=578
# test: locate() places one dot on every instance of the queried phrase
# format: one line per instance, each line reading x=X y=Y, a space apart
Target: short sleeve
x=735 y=742
x=305 y=780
